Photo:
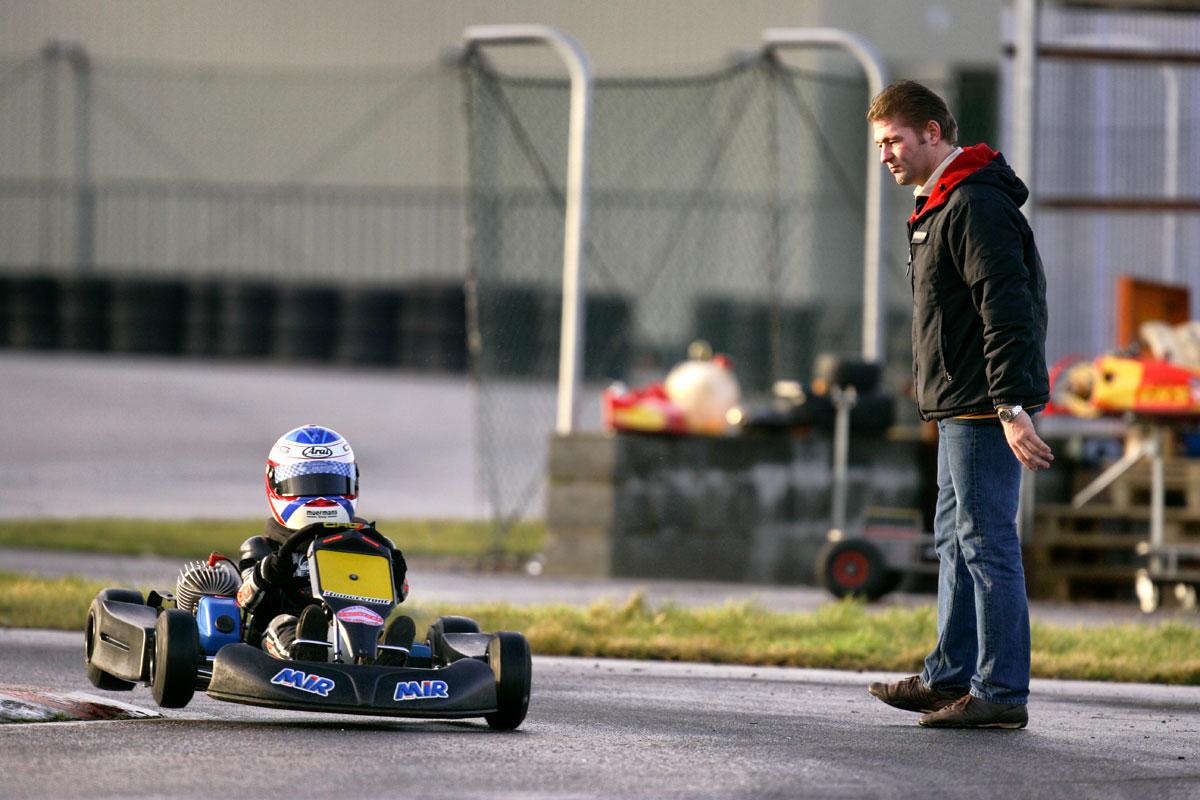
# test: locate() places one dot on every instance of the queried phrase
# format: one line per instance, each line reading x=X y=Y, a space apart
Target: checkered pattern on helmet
x=285 y=471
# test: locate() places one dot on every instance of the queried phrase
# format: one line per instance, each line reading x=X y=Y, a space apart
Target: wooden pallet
x=1095 y=552
x=1090 y=553
x=1181 y=483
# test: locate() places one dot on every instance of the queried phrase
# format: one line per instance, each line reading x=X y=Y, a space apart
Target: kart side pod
x=245 y=674
x=120 y=636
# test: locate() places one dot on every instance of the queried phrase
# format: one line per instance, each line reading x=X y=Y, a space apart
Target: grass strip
x=192 y=539
x=841 y=635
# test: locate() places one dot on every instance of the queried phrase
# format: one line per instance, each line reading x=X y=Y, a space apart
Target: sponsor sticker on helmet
x=360 y=614
x=305 y=682
x=316 y=451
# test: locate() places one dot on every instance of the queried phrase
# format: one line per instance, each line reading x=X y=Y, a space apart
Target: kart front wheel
x=510 y=659
x=176 y=657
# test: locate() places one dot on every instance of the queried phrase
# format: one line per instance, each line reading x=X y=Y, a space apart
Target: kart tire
x=509 y=657
x=176 y=658
x=122 y=596
x=854 y=567
x=444 y=625
x=456 y=625
x=98 y=677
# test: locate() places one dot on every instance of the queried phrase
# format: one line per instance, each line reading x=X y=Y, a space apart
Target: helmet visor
x=314 y=479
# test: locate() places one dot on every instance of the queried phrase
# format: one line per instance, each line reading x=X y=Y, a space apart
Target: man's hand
x=1026 y=445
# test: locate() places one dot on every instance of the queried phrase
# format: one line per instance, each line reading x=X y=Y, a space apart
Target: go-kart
x=192 y=639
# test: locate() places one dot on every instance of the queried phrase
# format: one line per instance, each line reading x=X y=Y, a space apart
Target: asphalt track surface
x=179 y=438
x=619 y=729
x=87 y=435
x=600 y=728
x=125 y=436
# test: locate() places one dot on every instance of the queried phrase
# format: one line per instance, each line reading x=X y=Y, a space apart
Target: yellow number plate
x=355 y=575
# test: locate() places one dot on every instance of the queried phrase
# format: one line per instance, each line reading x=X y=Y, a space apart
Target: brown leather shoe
x=912 y=695
x=971 y=712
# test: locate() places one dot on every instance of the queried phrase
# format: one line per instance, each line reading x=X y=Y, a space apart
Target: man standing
x=979 y=332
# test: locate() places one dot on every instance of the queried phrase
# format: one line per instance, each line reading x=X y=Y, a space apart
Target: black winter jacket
x=979 y=292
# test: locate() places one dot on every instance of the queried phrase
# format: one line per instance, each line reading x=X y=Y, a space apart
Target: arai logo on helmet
x=316 y=451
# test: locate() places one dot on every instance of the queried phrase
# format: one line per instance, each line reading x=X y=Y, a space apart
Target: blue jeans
x=983 y=614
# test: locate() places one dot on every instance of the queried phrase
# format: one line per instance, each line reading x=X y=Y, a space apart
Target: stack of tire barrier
x=147 y=316
x=33 y=312
x=432 y=332
x=727 y=508
x=742 y=329
x=420 y=326
x=370 y=325
x=520 y=327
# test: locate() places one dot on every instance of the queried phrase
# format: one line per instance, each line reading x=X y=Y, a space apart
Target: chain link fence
x=126 y=168
x=726 y=207
x=295 y=214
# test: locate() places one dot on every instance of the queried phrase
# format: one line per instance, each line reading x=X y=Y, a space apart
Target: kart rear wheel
x=509 y=657
x=455 y=625
x=176 y=657
x=854 y=567
x=99 y=678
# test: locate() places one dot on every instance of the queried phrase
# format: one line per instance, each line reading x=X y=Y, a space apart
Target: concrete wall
x=749 y=508
x=621 y=36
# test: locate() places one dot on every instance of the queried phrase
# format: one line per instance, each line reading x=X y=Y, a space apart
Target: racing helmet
x=311 y=477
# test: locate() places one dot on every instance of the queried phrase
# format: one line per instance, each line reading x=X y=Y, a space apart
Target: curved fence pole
x=580 y=70
x=864 y=53
x=74 y=53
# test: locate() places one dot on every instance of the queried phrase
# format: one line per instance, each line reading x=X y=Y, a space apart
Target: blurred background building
x=302 y=181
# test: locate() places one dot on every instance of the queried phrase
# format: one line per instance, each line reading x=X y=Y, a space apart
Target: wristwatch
x=1009 y=414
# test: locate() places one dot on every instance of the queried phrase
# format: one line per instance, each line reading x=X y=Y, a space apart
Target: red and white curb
x=40 y=705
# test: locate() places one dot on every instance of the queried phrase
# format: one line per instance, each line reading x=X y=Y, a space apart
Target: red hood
x=969 y=161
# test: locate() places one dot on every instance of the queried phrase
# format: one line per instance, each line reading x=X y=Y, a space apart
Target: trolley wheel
x=854 y=567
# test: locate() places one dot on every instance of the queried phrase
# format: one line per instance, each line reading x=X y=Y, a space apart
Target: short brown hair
x=913 y=105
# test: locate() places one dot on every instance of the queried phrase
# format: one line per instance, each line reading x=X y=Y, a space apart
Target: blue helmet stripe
x=300 y=502
x=313 y=434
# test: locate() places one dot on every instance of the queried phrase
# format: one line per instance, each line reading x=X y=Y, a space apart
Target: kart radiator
x=199 y=578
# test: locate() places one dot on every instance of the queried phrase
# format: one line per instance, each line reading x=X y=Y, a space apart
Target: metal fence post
x=580 y=70
x=873 y=318
x=75 y=54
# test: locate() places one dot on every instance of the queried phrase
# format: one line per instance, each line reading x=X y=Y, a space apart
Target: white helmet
x=311 y=477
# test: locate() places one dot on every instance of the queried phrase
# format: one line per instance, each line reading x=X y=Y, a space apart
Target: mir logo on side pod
x=414 y=690
x=303 y=681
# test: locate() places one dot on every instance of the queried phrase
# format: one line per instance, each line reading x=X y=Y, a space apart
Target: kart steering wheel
x=293 y=544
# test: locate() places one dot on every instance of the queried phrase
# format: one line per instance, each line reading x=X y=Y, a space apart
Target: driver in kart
x=311 y=479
